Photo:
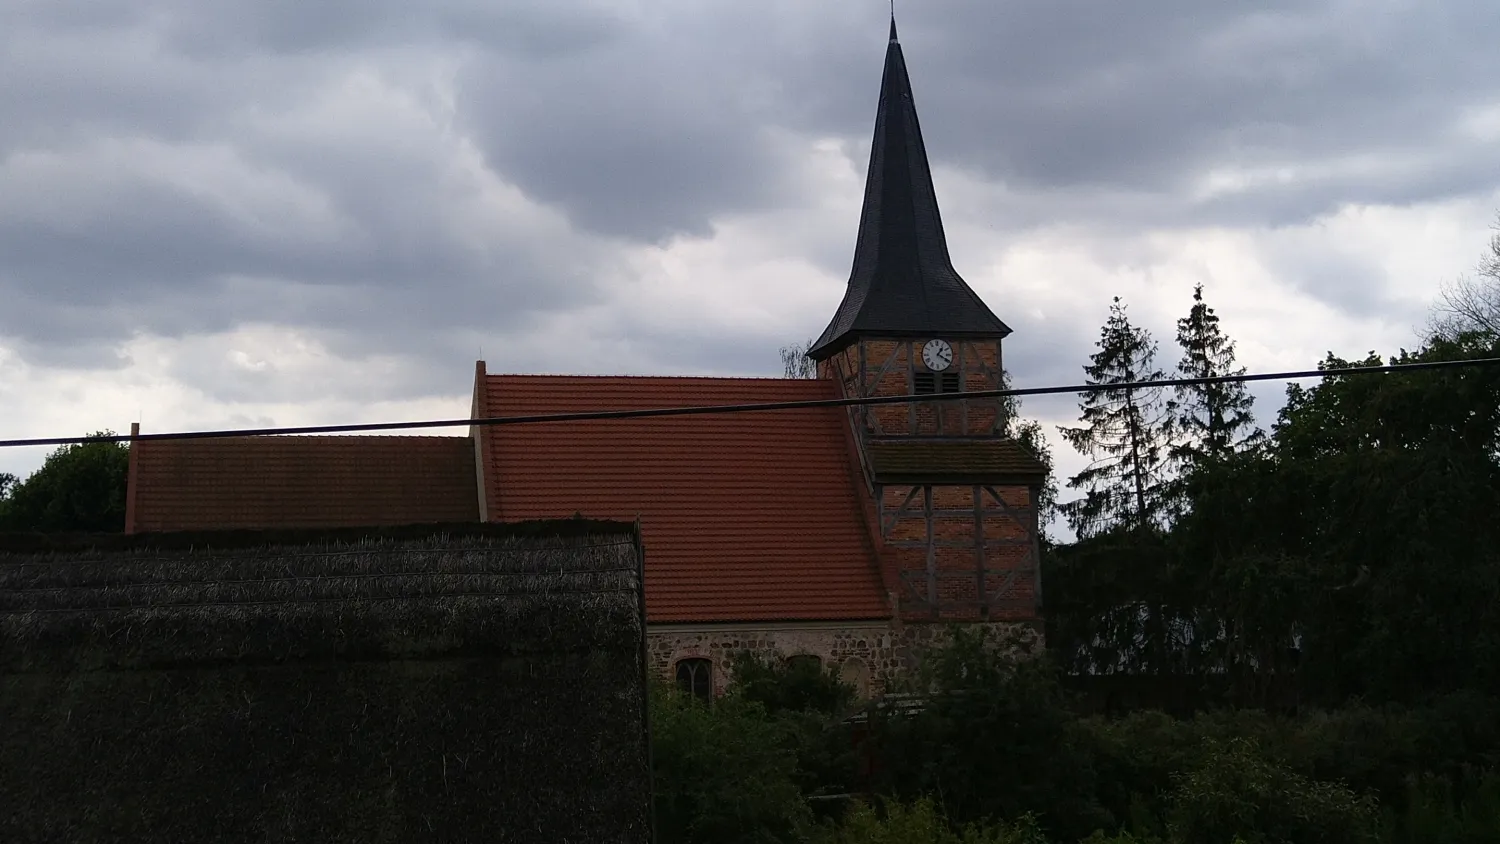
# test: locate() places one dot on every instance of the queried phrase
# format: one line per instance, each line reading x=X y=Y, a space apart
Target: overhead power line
x=699 y=410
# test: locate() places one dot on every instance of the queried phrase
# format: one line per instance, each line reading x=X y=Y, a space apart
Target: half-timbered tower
x=954 y=495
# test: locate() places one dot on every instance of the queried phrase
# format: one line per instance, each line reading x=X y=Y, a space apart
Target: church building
x=850 y=535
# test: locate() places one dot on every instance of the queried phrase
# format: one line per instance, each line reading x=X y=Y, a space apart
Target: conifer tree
x=1124 y=432
x=1209 y=421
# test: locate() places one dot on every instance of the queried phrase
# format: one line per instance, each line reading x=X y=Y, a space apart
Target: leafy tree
x=7 y=480
x=1029 y=434
x=994 y=739
x=1110 y=605
x=1391 y=483
x=1125 y=433
x=724 y=772
x=922 y=822
x=1471 y=305
x=795 y=361
x=78 y=488
x=1210 y=420
x=1357 y=546
x=1238 y=794
x=810 y=701
x=782 y=685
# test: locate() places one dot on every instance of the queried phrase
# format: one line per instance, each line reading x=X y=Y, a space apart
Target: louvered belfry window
x=932 y=383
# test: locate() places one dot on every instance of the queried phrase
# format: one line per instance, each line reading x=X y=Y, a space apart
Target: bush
x=1119 y=838
x=1436 y=813
x=995 y=739
x=809 y=703
x=782 y=686
x=1238 y=793
x=724 y=772
x=920 y=822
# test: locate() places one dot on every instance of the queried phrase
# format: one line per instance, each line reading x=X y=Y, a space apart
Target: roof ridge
x=651 y=377
x=309 y=437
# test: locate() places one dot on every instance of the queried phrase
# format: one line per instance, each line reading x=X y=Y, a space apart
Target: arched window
x=804 y=662
x=855 y=673
x=696 y=677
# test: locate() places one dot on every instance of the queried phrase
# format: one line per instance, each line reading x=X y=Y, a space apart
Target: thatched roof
x=460 y=683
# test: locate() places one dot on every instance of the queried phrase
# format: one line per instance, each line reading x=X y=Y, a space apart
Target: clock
x=937 y=354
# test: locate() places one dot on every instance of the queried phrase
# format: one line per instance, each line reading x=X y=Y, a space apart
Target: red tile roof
x=300 y=482
x=749 y=516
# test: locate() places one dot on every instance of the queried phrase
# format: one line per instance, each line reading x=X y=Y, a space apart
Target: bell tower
x=955 y=497
x=909 y=324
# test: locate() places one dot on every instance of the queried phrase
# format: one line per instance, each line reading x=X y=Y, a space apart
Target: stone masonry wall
x=869 y=656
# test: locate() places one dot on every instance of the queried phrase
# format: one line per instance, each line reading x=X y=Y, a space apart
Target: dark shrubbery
x=995 y=740
x=1236 y=793
x=724 y=772
x=78 y=488
x=997 y=755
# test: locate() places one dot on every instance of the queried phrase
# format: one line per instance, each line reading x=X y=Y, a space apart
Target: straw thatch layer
x=419 y=686
x=364 y=598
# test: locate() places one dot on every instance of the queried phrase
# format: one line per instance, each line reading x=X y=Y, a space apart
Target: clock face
x=937 y=354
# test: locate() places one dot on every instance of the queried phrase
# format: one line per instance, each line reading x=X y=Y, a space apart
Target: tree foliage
x=1356 y=548
x=1031 y=436
x=996 y=753
x=782 y=685
x=1124 y=433
x=78 y=488
x=1471 y=305
x=1210 y=421
x=796 y=363
x=923 y=822
x=1236 y=794
x=994 y=738
x=723 y=773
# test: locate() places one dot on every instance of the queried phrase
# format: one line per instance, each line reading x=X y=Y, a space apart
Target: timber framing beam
x=888 y=518
x=960 y=543
x=1023 y=516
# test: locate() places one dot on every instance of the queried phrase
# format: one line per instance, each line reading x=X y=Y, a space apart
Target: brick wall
x=869 y=656
x=886 y=368
x=981 y=372
x=1009 y=579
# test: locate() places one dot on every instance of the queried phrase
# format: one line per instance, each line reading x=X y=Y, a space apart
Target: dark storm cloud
x=647 y=137
x=642 y=125
x=171 y=257
x=1074 y=101
x=1131 y=97
x=154 y=178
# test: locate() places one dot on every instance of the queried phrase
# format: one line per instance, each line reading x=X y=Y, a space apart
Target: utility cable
x=698 y=410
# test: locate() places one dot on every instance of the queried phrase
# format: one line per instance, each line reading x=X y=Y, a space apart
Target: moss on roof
x=975 y=461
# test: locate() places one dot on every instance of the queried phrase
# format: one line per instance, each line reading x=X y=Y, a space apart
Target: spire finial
x=893 y=20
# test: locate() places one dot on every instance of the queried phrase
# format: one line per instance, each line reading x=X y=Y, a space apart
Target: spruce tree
x=1209 y=421
x=1125 y=433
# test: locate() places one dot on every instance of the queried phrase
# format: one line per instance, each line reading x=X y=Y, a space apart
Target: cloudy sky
x=257 y=212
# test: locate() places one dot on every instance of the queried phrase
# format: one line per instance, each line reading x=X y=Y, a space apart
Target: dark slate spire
x=903 y=283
